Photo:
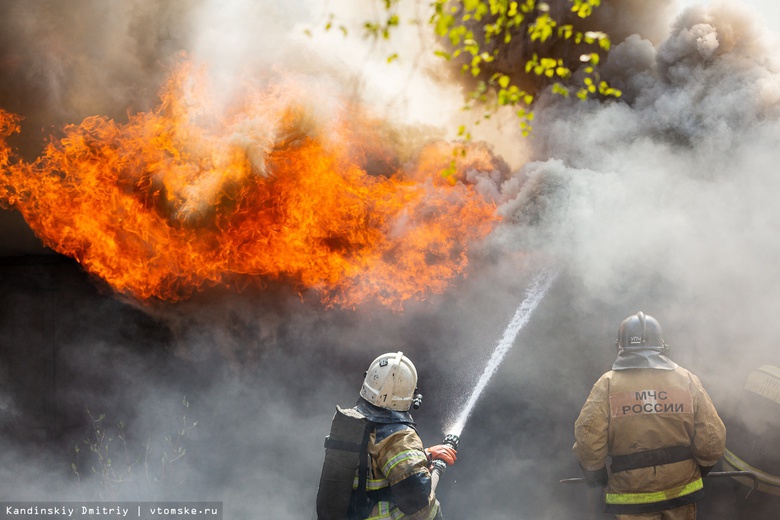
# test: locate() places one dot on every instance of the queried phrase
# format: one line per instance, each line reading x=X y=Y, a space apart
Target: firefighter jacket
x=399 y=481
x=659 y=426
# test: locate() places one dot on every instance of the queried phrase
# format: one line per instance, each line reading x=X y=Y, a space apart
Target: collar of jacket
x=643 y=357
x=382 y=415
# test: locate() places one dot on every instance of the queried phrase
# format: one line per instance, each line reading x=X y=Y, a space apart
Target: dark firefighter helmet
x=640 y=331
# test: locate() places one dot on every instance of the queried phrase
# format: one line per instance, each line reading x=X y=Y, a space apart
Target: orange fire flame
x=195 y=194
x=9 y=124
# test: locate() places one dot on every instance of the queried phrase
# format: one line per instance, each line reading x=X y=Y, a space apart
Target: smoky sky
x=663 y=200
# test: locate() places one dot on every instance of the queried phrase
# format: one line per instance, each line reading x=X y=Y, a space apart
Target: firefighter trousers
x=687 y=512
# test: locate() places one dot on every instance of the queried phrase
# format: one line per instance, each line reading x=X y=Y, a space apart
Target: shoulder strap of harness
x=361 y=504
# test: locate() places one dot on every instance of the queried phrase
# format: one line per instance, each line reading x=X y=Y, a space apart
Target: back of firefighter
x=399 y=474
x=396 y=478
x=658 y=425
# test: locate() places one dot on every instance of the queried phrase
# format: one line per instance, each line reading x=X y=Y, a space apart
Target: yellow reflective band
x=384 y=512
x=657 y=496
x=372 y=484
x=415 y=455
x=434 y=511
x=741 y=465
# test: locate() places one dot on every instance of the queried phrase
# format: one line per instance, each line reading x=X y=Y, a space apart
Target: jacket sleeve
x=402 y=461
x=709 y=435
x=591 y=429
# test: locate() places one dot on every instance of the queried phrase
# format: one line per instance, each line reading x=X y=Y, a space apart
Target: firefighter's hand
x=442 y=452
x=596 y=478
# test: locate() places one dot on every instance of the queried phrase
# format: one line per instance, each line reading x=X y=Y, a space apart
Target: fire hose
x=439 y=466
x=711 y=474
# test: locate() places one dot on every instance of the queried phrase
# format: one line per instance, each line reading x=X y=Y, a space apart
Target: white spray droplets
x=534 y=294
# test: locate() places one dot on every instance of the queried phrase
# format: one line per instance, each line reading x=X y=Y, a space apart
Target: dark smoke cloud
x=66 y=61
x=661 y=201
x=672 y=183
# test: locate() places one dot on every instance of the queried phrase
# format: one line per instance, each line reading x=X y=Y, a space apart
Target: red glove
x=442 y=452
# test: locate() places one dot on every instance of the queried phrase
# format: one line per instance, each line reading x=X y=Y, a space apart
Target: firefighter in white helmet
x=656 y=422
x=395 y=478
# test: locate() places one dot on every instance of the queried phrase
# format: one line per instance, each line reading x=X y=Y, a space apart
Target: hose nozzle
x=452 y=440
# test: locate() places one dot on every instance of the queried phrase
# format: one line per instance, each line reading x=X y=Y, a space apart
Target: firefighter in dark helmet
x=658 y=425
x=375 y=464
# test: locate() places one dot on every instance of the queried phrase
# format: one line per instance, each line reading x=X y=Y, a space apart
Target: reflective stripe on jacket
x=398 y=462
x=636 y=410
x=627 y=503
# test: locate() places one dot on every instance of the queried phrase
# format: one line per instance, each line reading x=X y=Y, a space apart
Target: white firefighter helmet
x=390 y=382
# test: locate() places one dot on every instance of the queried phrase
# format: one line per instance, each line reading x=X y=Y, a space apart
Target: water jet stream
x=534 y=294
